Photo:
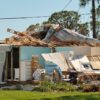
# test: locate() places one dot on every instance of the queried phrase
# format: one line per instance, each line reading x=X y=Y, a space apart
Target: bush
x=47 y=86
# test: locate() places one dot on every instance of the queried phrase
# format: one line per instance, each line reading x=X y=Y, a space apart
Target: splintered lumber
x=25 y=39
x=34 y=38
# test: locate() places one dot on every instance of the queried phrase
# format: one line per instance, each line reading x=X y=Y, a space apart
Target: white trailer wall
x=81 y=50
x=78 y=50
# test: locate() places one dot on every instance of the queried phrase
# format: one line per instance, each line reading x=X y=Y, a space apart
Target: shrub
x=66 y=86
x=47 y=86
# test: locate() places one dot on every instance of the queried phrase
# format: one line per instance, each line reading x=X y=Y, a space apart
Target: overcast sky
x=28 y=8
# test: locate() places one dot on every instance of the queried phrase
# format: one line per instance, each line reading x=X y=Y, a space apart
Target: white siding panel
x=25 y=70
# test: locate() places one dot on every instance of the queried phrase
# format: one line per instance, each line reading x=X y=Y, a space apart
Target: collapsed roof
x=65 y=35
x=23 y=38
x=49 y=37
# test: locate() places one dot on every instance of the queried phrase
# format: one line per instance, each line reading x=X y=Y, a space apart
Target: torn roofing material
x=66 y=35
x=50 y=38
x=22 y=38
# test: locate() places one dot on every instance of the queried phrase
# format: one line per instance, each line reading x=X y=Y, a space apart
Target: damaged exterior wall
x=3 y=49
x=80 y=50
x=26 y=53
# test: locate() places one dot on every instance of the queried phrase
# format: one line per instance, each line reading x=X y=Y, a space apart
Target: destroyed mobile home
x=35 y=55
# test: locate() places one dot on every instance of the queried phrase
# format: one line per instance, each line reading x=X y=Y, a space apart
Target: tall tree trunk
x=93 y=19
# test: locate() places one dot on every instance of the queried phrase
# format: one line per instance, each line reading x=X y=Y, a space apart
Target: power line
x=23 y=17
x=66 y=5
x=10 y=18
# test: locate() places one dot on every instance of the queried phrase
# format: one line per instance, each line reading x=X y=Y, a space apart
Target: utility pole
x=93 y=19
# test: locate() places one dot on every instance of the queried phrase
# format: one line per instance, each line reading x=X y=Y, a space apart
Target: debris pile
x=49 y=37
x=22 y=38
x=57 y=42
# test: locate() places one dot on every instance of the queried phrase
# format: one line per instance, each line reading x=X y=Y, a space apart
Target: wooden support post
x=19 y=66
x=12 y=64
x=6 y=67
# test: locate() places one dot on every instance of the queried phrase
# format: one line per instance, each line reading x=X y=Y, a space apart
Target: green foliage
x=67 y=19
x=84 y=2
x=32 y=27
x=63 y=86
x=70 y=20
x=83 y=28
x=98 y=11
x=47 y=86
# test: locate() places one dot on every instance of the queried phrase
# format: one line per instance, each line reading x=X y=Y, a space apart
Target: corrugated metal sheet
x=70 y=36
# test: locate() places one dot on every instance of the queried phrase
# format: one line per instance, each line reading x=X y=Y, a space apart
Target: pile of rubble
x=33 y=38
x=23 y=38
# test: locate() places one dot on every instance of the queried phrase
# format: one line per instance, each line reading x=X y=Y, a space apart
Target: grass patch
x=25 y=95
